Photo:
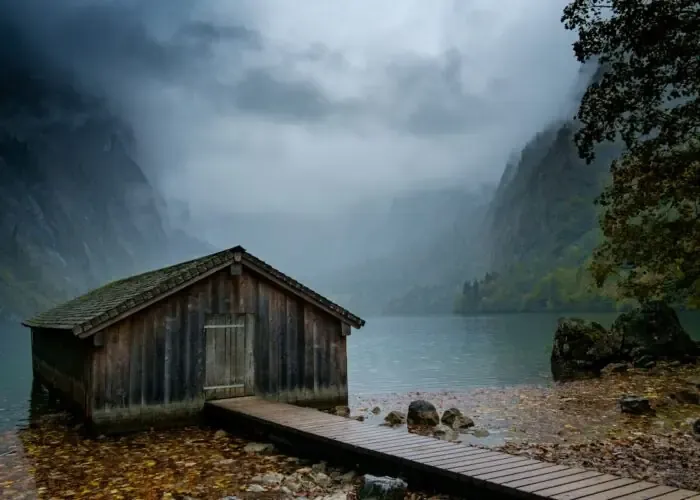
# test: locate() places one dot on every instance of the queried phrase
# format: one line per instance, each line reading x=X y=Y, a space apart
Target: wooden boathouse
x=154 y=347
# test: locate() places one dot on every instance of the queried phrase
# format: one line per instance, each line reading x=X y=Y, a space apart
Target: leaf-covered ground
x=580 y=423
x=53 y=461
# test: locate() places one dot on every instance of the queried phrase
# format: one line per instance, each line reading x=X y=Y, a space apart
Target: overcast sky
x=285 y=105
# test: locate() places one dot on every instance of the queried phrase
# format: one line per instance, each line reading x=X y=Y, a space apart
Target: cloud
x=272 y=105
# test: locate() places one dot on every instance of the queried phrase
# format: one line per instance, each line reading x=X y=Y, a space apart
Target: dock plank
x=478 y=469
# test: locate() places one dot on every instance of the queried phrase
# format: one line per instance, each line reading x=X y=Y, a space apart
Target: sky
x=281 y=106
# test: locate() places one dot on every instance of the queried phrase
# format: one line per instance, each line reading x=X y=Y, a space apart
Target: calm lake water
x=387 y=355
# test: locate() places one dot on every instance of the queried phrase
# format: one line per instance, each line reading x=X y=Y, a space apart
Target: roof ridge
x=117 y=298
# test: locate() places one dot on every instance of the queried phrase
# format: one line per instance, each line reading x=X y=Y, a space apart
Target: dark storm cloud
x=375 y=97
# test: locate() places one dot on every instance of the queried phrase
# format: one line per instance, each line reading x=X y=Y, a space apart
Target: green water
x=387 y=355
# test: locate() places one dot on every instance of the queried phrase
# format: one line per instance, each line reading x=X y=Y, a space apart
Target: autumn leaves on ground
x=577 y=423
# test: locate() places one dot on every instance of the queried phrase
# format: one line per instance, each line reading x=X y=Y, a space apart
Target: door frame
x=236 y=322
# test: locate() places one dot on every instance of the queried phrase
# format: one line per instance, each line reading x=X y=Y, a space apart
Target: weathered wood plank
x=250 y=332
x=135 y=361
x=594 y=488
x=639 y=487
x=646 y=494
x=678 y=495
x=515 y=476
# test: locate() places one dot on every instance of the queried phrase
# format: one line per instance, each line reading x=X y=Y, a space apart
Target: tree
x=648 y=52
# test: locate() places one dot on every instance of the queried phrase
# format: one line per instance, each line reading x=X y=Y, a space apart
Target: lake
x=387 y=355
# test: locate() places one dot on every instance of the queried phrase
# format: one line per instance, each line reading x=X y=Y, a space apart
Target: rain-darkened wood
x=469 y=471
x=153 y=347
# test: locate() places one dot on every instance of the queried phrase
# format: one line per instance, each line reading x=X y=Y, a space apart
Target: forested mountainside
x=435 y=244
x=76 y=210
x=542 y=226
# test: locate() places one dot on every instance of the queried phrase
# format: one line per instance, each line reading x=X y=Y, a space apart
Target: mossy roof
x=118 y=298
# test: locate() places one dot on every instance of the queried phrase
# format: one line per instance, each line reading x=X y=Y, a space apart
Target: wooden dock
x=475 y=472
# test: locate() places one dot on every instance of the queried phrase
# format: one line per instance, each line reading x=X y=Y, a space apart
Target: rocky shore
x=585 y=423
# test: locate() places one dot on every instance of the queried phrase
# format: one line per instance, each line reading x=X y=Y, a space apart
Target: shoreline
x=576 y=423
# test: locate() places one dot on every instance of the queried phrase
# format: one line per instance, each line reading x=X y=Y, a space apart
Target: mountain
x=423 y=247
x=76 y=209
x=542 y=226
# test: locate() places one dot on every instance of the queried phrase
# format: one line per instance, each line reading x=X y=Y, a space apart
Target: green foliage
x=647 y=96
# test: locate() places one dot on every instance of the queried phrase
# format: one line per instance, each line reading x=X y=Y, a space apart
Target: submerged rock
x=382 y=488
x=376 y=410
x=454 y=418
x=395 y=418
x=651 y=333
x=445 y=433
x=220 y=434
x=421 y=412
x=582 y=349
x=479 y=432
x=635 y=405
x=341 y=411
x=696 y=427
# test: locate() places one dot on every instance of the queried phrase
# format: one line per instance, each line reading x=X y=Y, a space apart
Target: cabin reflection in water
x=151 y=349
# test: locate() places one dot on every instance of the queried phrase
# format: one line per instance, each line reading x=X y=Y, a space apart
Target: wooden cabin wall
x=300 y=354
x=59 y=360
x=151 y=366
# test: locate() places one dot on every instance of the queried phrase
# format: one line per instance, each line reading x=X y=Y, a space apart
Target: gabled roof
x=96 y=309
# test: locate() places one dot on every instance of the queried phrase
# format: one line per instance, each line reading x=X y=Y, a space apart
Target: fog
x=293 y=128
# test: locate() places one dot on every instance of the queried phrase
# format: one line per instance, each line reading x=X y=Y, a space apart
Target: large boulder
x=582 y=349
x=421 y=412
x=653 y=332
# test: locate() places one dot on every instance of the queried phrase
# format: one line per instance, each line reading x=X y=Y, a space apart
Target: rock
x=582 y=349
x=342 y=411
x=645 y=361
x=635 y=405
x=303 y=470
x=272 y=478
x=321 y=479
x=454 y=418
x=359 y=418
x=348 y=477
x=226 y=461
x=336 y=496
x=319 y=467
x=445 y=433
x=615 y=368
x=220 y=434
x=256 y=488
x=382 y=488
x=376 y=410
x=222 y=498
x=256 y=479
x=285 y=490
x=261 y=448
x=693 y=382
x=687 y=396
x=421 y=412
x=395 y=418
x=696 y=427
x=292 y=483
x=653 y=330
x=479 y=432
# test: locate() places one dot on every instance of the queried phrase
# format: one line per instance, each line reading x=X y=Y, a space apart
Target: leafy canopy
x=649 y=56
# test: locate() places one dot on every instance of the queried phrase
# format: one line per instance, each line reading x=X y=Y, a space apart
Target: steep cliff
x=75 y=208
x=542 y=226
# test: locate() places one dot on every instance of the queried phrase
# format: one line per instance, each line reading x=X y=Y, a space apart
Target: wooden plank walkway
x=478 y=469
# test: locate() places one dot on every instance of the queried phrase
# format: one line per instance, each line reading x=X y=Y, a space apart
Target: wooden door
x=229 y=366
